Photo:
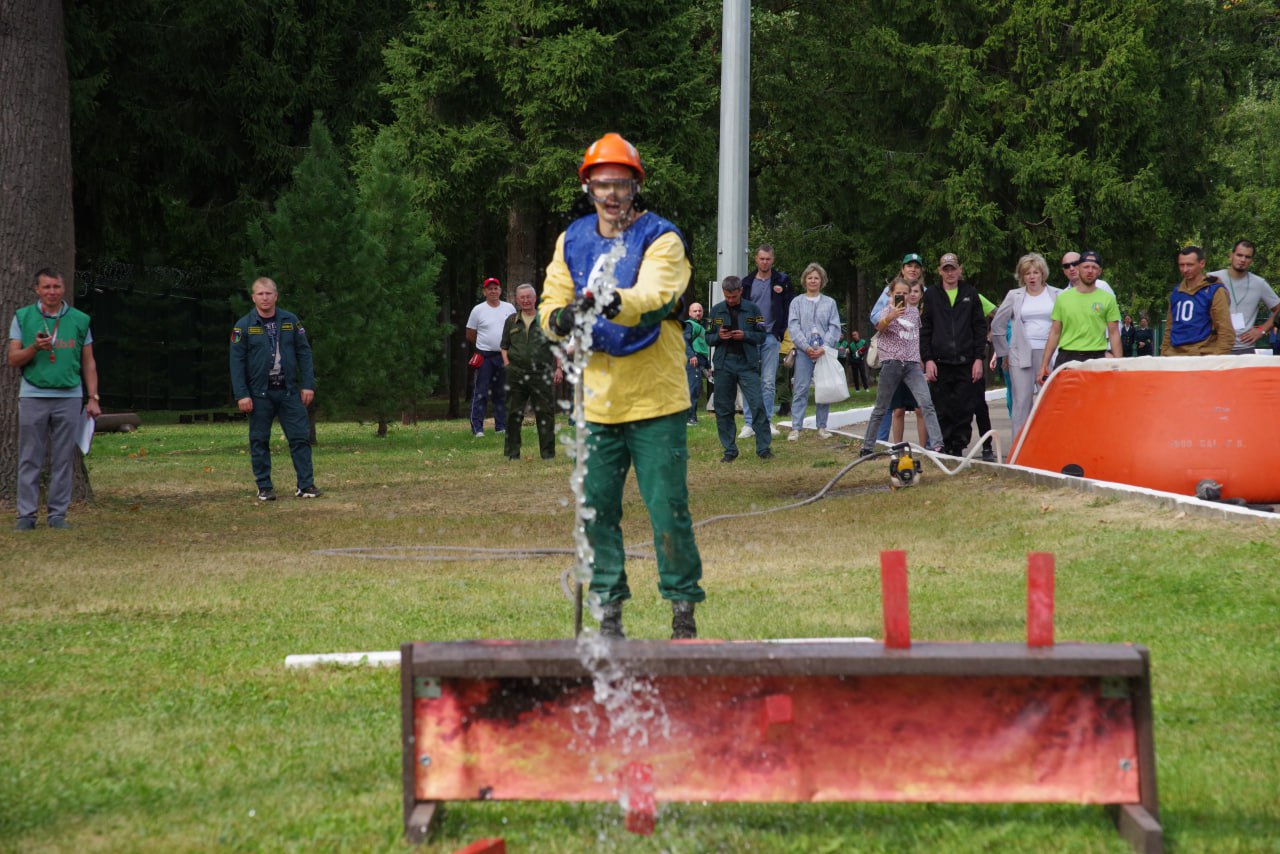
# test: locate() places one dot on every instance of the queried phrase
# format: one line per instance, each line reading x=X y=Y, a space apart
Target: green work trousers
x=530 y=388
x=658 y=450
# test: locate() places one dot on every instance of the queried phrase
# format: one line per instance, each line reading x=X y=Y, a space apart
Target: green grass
x=145 y=707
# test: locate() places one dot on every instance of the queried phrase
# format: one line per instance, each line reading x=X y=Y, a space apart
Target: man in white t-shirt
x=484 y=332
x=1071 y=269
x=1247 y=291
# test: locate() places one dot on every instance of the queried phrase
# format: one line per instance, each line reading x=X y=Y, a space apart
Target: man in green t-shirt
x=50 y=341
x=1086 y=321
x=699 y=356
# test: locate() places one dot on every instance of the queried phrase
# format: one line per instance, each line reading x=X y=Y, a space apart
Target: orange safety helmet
x=610 y=148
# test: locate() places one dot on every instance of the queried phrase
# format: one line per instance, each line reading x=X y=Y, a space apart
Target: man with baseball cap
x=953 y=342
x=484 y=332
x=1086 y=320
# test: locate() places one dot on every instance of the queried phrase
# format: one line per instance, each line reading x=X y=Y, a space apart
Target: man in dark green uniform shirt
x=531 y=370
x=737 y=329
x=272 y=377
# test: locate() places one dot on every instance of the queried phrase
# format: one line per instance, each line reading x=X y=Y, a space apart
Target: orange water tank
x=1165 y=423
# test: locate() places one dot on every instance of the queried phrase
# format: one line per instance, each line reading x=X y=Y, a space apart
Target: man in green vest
x=50 y=341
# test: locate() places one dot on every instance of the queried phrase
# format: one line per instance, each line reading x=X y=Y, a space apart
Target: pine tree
x=355 y=265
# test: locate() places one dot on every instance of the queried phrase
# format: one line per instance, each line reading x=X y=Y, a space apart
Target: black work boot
x=683 y=626
x=611 y=621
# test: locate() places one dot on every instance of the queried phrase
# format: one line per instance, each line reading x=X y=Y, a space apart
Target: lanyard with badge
x=53 y=339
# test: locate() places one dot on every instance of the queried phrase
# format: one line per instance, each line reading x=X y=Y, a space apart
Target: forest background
x=379 y=160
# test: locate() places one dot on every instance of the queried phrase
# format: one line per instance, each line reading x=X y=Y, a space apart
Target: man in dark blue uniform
x=272 y=377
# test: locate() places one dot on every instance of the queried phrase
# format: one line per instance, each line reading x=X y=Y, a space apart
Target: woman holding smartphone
x=899 y=329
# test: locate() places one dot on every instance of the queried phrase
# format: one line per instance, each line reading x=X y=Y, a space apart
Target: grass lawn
x=144 y=703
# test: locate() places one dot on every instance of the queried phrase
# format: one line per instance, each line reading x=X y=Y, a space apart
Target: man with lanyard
x=532 y=370
x=738 y=328
x=953 y=342
x=636 y=394
x=50 y=341
x=1085 y=321
x=698 y=355
x=1199 y=318
x=484 y=332
x=1247 y=291
x=771 y=292
x=272 y=377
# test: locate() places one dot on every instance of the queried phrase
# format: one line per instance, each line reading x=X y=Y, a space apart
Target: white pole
x=390 y=658
x=735 y=100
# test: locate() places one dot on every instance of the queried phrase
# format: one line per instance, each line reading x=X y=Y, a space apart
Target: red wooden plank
x=893 y=592
x=1039 y=599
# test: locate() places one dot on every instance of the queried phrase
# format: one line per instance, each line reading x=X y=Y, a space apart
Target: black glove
x=562 y=321
x=608 y=311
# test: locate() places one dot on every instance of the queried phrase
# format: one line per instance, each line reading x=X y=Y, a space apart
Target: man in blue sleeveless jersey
x=50 y=341
x=636 y=395
x=1199 y=318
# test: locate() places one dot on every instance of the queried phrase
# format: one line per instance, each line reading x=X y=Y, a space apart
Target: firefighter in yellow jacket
x=636 y=395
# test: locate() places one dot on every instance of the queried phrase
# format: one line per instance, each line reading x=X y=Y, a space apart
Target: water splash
x=574 y=353
x=627 y=704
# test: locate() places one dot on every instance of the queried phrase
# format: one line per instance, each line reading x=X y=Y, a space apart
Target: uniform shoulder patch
x=236 y=335
x=301 y=331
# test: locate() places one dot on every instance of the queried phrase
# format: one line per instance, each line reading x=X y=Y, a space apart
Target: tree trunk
x=522 y=240
x=36 y=227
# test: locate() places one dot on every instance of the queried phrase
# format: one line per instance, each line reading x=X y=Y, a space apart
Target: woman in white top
x=1020 y=330
x=814 y=324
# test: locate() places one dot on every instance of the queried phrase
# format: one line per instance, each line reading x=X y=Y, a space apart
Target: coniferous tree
x=355 y=266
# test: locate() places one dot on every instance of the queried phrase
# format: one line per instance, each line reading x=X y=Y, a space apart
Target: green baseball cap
x=912 y=258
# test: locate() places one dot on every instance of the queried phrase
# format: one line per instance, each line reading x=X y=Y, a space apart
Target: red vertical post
x=638 y=797
x=893 y=595
x=1040 y=599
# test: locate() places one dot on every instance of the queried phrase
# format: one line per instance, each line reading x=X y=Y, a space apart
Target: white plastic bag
x=873 y=352
x=829 y=385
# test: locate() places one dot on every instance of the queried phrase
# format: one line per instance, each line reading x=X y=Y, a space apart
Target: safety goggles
x=604 y=189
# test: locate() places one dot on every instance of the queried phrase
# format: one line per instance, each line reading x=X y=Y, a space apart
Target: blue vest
x=1191 y=315
x=584 y=252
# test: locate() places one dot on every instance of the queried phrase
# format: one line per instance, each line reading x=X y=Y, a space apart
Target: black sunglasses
x=1070 y=264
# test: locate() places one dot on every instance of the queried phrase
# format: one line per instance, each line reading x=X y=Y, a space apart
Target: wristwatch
x=95 y=397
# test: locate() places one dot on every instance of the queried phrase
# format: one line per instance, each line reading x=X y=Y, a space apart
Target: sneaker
x=824 y=433
x=25 y=525
x=479 y=434
x=307 y=492
x=766 y=454
x=59 y=524
x=266 y=493
x=692 y=422
x=774 y=431
x=747 y=432
x=865 y=452
x=793 y=436
x=728 y=458
x=988 y=455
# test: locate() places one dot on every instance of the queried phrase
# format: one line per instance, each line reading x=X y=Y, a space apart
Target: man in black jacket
x=770 y=291
x=953 y=340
